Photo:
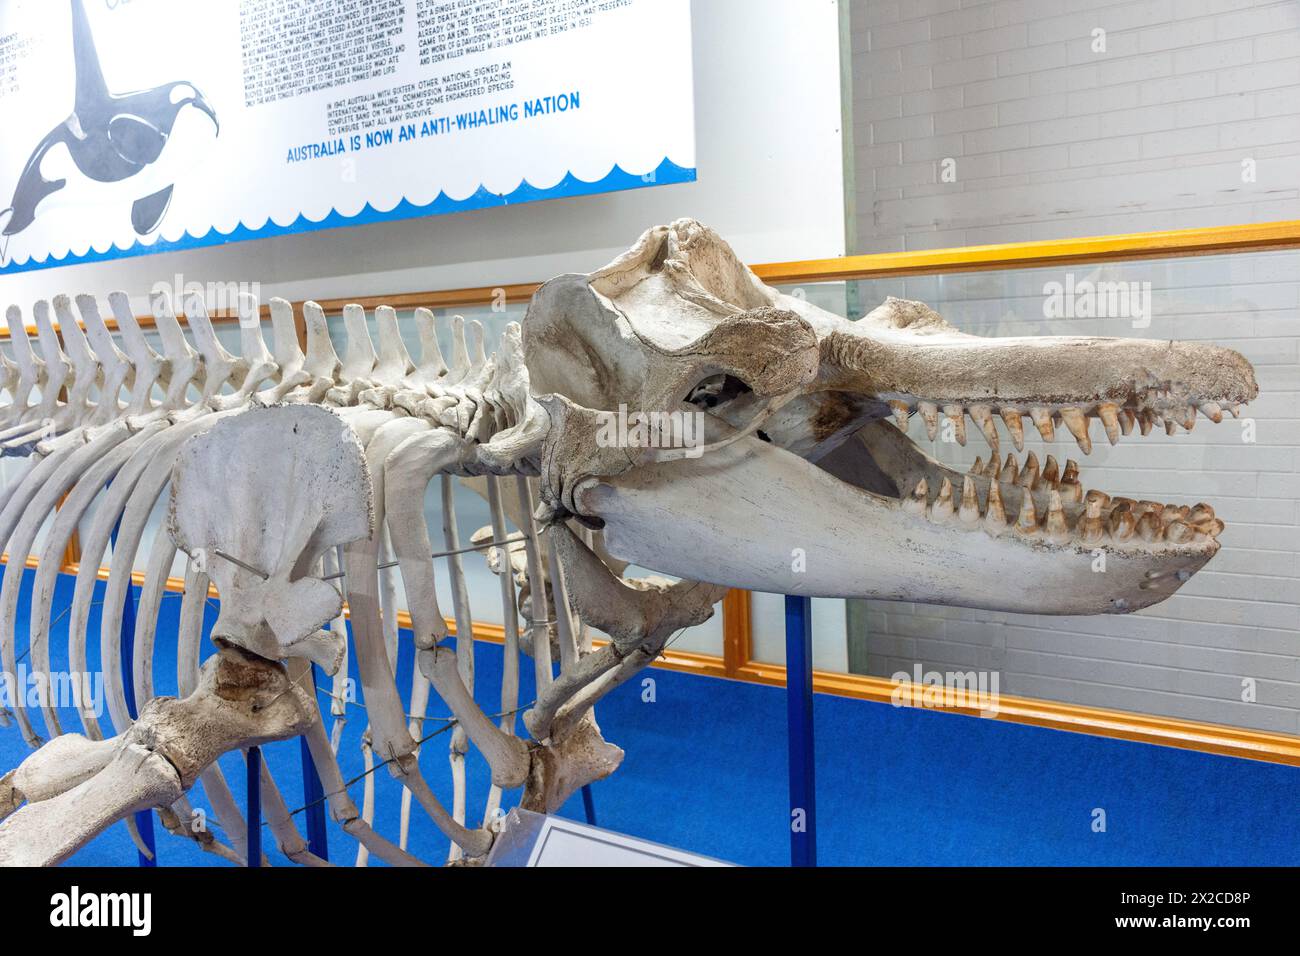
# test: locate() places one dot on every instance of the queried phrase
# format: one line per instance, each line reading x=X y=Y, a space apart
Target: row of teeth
x=1101 y=517
x=1116 y=420
x=1051 y=477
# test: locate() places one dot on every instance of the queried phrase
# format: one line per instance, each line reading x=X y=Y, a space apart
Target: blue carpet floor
x=705 y=771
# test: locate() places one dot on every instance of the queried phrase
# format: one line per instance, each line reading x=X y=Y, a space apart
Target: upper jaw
x=905 y=355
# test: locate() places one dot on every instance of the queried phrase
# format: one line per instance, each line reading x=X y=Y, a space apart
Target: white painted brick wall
x=1240 y=617
x=1052 y=139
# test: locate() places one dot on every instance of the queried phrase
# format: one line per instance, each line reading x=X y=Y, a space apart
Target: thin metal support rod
x=799 y=704
x=143 y=818
x=253 y=761
x=314 y=795
x=589 y=805
x=515 y=539
x=264 y=575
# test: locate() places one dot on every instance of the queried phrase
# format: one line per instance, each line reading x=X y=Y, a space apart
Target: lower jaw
x=761 y=519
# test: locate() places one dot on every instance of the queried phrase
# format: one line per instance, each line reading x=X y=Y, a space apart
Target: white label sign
x=563 y=842
x=525 y=838
x=138 y=126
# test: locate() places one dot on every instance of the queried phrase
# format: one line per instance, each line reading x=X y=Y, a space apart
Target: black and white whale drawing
x=110 y=137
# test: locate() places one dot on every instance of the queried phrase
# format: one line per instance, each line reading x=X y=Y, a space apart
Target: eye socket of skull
x=766 y=351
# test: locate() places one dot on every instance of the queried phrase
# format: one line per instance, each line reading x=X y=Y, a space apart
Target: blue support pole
x=313 y=795
x=589 y=805
x=253 y=761
x=143 y=819
x=799 y=704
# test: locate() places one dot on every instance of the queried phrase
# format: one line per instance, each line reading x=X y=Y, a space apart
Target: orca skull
x=804 y=481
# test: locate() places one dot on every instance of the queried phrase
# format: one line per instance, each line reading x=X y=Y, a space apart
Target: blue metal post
x=313 y=795
x=253 y=760
x=799 y=704
x=143 y=819
x=589 y=805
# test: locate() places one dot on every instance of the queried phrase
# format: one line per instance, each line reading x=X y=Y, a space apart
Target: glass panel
x=13 y=468
x=1222 y=648
x=767 y=632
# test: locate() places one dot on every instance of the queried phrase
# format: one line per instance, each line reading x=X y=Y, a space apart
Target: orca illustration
x=111 y=137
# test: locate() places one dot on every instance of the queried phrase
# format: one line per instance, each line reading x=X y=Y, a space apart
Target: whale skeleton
x=469 y=416
x=298 y=478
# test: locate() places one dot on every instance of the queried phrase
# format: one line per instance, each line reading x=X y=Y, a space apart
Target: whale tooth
x=1189 y=417
x=1057 y=529
x=915 y=503
x=1077 y=422
x=1011 y=418
x=930 y=413
x=901 y=413
x=1095 y=495
x=1043 y=422
x=1071 y=472
x=1092 y=528
x=1180 y=532
x=1146 y=419
x=970 y=502
x=1029 y=474
x=1027 y=520
x=1071 y=492
x=954 y=413
x=1127 y=419
x=982 y=416
x=991 y=469
x=1109 y=415
x=1171 y=427
x=1212 y=411
x=1148 y=526
x=1201 y=512
x=941 y=510
x=1121 y=523
x=1235 y=410
x=1009 y=473
x=978 y=467
x=1051 y=474
x=995 y=516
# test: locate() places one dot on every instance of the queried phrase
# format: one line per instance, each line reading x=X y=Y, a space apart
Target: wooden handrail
x=1213 y=240
x=1216 y=240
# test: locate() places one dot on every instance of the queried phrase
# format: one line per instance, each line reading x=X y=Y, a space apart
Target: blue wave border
x=667 y=173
